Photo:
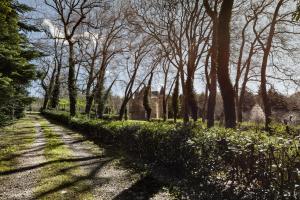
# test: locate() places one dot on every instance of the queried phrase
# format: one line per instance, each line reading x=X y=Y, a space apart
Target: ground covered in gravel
x=41 y=160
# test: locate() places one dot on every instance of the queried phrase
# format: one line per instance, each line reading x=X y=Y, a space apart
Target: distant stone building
x=136 y=108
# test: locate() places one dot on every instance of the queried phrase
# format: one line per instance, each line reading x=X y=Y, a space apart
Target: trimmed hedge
x=207 y=163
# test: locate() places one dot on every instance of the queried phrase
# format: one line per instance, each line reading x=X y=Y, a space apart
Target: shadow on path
x=22 y=169
x=77 y=179
x=143 y=189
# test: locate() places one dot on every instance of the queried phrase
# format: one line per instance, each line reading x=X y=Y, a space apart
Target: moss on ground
x=14 y=139
x=61 y=178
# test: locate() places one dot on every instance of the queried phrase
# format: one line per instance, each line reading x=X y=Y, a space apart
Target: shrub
x=212 y=163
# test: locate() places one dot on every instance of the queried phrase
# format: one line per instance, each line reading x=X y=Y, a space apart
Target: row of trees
x=15 y=54
x=129 y=45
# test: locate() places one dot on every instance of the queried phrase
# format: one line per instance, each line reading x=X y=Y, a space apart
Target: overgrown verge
x=204 y=163
x=60 y=179
x=14 y=139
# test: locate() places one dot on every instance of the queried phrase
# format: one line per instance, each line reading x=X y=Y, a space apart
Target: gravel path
x=20 y=182
x=107 y=178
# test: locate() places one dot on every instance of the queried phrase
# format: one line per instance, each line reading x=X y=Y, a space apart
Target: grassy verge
x=61 y=178
x=14 y=139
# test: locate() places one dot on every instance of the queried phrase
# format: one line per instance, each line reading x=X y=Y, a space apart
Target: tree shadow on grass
x=22 y=169
x=77 y=179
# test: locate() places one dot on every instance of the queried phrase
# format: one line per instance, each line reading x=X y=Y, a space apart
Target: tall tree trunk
x=191 y=99
x=243 y=88
x=56 y=89
x=175 y=98
x=49 y=89
x=146 y=102
x=185 y=101
x=88 y=104
x=71 y=81
x=46 y=100
x=226 y=87
x=211 y=104
x=164 y=105
x=123 y=109
x=204 y=109
x=89 y=96
x=99 y=94
x=263 y=85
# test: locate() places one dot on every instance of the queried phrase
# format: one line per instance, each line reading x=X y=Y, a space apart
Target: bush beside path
x=57 y=163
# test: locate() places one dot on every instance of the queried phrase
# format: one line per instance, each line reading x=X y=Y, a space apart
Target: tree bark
x=49 y=89
x=56 y=89
x=263 y=85
x=146 y=103
x=227 y=90
x=245 y=80
x=175 y=98
x=185 y=101
x=99 y=94
x=123 y=109
x=191 y=101
x=71 y=81
x=211 y=103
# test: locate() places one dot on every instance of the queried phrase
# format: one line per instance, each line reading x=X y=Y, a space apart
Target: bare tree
x=47 y=75
x=182 y=29
x=223 y=46
x=266 y=49
x=71 y=14
x=140 y=51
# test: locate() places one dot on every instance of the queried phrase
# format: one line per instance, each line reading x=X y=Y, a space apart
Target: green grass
x=14 y=139
x=59 y=180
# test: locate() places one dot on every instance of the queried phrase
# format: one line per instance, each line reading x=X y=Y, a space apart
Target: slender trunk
x=226 y=87
x=185 y=101
x=191 y=101
x=175 y=98
x=211 y=104
x=89 y=96
x=241 y=102
x=243 y=88
x=56 y=89
x=204 y=104
x=123 y=109
x=239 y=69
x=263 y=86
x=146 y=103
x=46 y=99
x=164 y=100
x=49 y=89
x=71 y=81
x=99 y=95
x=88 y=105
x=164 y=105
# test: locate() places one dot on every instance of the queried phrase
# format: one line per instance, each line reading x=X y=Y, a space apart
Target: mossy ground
x=59 y=179
x=14 y=139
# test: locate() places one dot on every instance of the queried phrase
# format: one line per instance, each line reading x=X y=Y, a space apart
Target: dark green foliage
x=15 y=70
x=208 y=164
x=277 y=100
x=249 y=101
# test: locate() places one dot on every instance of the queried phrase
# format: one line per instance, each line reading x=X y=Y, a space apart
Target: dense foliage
x=15 y=52
x=205 y=163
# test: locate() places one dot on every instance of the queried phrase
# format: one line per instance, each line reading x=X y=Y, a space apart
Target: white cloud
x=52 y=29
